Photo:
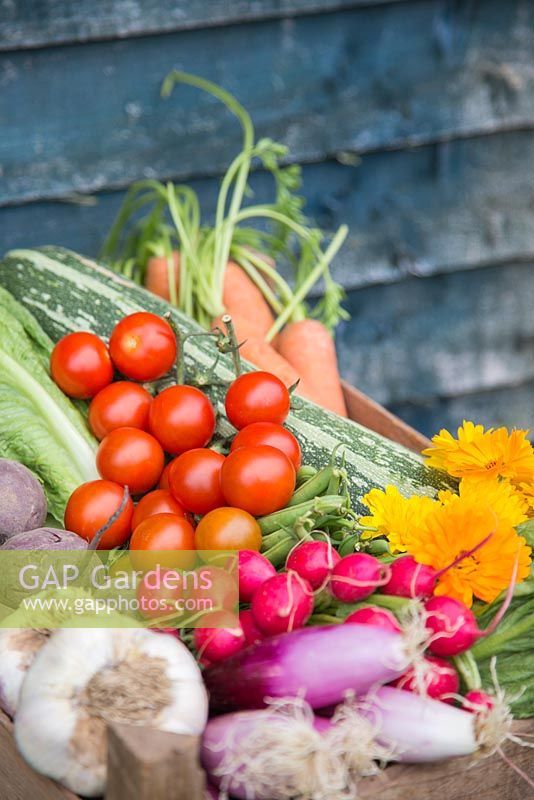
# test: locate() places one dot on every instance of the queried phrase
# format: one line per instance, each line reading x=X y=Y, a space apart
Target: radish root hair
x=286 y=758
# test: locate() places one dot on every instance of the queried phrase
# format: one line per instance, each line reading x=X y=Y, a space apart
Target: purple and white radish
x=313 y=561
x=356 y=576
x=284 y=751
x=282 y=603
x=321 y=664
x=417 y=729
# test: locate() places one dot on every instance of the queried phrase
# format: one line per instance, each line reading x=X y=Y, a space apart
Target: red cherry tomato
x=80 y=365
x=143 y=346
x=181 y=418
x=228 y=529
x=164 y=480
x=195 y=480
x=271 y=434
x=258 y=479
x=119 y=405
x=132 y=458
x=257 y=397
x=163 y=532
x=91 y=505
x=159 y=501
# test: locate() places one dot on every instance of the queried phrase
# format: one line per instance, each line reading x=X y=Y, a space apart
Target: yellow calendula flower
x=479 y=453
x=457 y=527
x=394 y=516
x=502 y=497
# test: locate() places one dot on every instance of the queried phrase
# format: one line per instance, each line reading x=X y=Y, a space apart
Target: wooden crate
x=150 y=765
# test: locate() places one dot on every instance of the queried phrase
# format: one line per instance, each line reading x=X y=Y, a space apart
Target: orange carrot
x=245 y=302
x=309 y=348
x=157 y=275
x=265 y=357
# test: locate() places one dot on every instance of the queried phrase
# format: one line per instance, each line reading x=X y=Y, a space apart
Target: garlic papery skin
x=84 y=678
x=18 y=648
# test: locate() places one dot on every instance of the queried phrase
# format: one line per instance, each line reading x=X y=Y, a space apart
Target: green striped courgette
x=67 y=292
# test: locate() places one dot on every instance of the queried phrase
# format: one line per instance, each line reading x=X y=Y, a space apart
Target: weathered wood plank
x=511 y=406
x=433 y=209
x=35 y=23
x=444 y=336
x=86 y=118
x=145 y=764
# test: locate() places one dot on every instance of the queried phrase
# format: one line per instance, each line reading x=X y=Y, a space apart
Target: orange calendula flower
x=459 y=526
x=527 y=492
x=394 y=516
x=502 y=497
x=479 y=453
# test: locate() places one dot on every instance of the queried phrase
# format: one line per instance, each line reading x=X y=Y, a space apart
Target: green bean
x=287 y=517
x=278 y=553
x=313 y=487
x=304 y=474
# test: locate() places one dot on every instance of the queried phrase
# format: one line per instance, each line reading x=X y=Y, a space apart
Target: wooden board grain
x=87 y=118
x=434 y=209
x=511 y=406
x=444 y=336
x=34 y=23
x=146 y=764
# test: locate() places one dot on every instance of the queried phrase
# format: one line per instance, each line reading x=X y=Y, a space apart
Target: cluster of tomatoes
x=188 y=495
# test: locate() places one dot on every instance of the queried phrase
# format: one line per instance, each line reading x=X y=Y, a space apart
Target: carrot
x=309 y=348
x=245 y=303
x=265 y=357
x=157 y=276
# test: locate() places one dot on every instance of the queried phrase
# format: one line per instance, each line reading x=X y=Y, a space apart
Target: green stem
x=467 y=667
x=485 y=648
x=234 y=344
x=324 y=619
x=310 y=281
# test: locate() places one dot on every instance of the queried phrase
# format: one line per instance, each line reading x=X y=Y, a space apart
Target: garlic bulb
x=18 y=648
x=84 y=678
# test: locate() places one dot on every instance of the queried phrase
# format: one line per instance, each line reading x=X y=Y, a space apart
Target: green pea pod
x=287 y=517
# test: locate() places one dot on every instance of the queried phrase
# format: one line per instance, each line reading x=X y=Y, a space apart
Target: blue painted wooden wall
x=413 y=120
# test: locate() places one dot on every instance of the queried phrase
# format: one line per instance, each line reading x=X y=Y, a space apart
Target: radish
x=419 y=729
x=410 y=579
x=477 y=701
x=453 y=626
x=254 y=569
x=321 y=663
x=432 y=677
x=282 y=603
x=253 y=635
x=284 y=752
x=373 y=615
x=218 y=643
x=357 y=576
x=313 y=561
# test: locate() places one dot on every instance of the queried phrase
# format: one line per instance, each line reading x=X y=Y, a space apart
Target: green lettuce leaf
x=39 y=426
x=512 y=643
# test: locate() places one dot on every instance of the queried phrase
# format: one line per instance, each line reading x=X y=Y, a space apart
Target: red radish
x=373 y=615
x=478 y=702
x=253 y=635
x=319 y=663
x=453 y=626
x=313 y=561
x=410 y=579
x=254 y=569
x=432 y=677
x=357 y=576
x=282 y=603
x=219 y=643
